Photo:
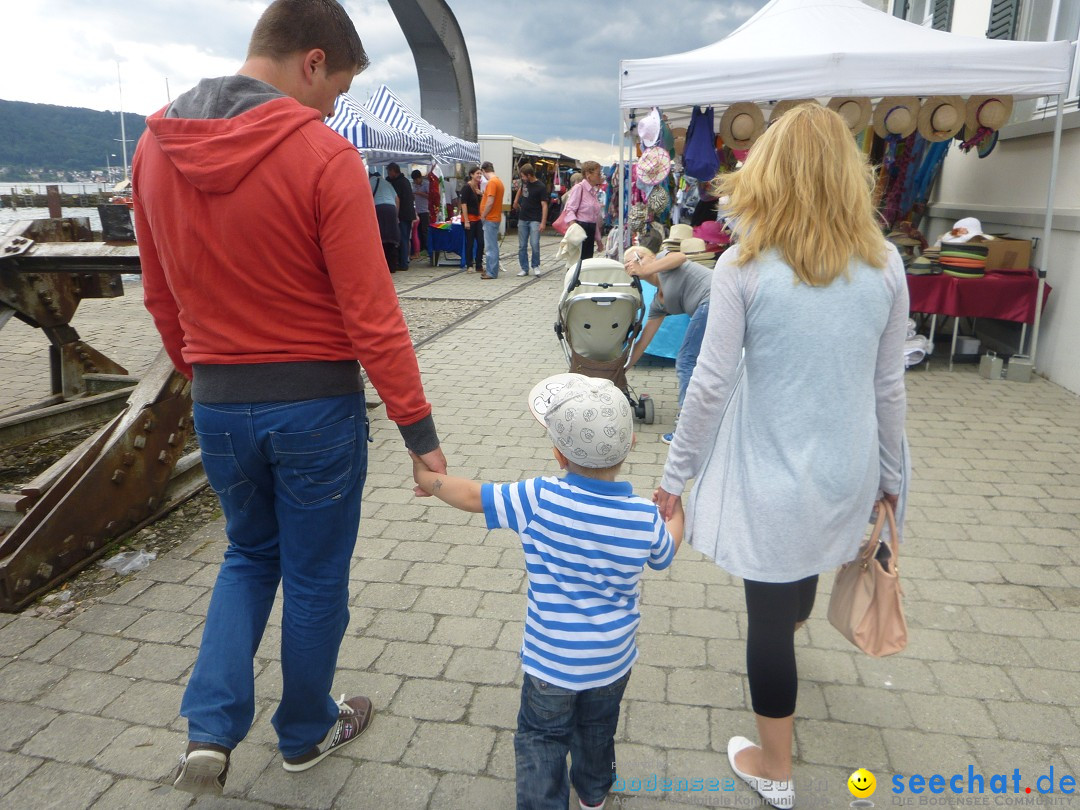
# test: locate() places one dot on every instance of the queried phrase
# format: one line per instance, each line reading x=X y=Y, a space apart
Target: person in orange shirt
x=491 y=214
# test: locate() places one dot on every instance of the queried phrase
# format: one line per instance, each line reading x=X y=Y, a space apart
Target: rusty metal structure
x=133 y=469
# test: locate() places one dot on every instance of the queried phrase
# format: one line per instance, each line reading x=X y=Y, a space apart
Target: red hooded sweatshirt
x=259 y=245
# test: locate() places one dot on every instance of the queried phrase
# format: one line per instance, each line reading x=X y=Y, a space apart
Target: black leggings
x=590 y=239
x=773 y=610
x=474 y=235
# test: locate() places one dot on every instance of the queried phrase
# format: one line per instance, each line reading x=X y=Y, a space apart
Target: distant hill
x=37 y=136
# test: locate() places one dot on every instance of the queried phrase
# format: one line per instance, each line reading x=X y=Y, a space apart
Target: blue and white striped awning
x=386 y=129
x=377 y=140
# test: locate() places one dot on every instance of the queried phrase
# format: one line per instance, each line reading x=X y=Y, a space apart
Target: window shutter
x=1003 y=16
x=943 y=15
x=900 y=8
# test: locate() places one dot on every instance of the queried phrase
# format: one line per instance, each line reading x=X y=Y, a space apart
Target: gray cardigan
x=794 y=417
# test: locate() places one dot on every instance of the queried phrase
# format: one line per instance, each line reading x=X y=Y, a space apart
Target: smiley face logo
x=862 y=784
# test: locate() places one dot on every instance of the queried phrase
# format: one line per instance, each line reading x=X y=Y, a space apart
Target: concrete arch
x=447 y=94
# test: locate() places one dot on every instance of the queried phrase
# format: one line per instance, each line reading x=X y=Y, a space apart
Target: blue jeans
x=491 y=245
x=289 y=476
x=528 y=234
x=405 y=245
x=686 y=359
x=554 y=721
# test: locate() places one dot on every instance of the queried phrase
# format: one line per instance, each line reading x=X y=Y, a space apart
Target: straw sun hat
x=787 y=104
x=987 y=112
x=854 y=110
x=896 y=115
x=941 y=117
x=741 y=125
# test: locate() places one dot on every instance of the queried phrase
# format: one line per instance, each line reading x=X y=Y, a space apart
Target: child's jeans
x=553 y=721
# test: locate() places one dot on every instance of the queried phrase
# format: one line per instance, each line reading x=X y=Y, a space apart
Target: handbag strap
x=885 y=514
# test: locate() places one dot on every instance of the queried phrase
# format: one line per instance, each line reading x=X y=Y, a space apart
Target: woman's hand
x=666 y=503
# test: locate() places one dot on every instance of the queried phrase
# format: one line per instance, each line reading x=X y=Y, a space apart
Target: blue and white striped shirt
x=586 y=544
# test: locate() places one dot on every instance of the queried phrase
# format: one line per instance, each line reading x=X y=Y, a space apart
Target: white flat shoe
x=777 y=794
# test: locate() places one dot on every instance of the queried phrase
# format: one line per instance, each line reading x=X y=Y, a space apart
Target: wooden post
x=14 y=199
x=53 y=198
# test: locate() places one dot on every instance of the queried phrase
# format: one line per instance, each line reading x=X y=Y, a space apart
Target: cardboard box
x=1006 y=253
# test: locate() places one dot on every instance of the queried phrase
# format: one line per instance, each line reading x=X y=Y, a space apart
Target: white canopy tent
x=795 y=49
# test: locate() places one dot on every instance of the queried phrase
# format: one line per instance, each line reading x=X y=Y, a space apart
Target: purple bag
x=699 y=157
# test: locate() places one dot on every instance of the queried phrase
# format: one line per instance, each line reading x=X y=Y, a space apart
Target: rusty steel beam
x=117 y=484
x=32 y=425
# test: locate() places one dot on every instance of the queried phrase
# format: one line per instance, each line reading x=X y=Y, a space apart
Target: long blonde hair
x=805 y=190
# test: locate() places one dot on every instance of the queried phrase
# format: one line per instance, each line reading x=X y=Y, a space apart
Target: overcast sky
x=544 y=71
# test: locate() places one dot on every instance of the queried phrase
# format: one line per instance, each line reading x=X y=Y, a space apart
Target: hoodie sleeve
x=352 y=249
x=157 y=297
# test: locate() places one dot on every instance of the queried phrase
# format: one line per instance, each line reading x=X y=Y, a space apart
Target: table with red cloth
x=1009 y=296
x=1006 y=295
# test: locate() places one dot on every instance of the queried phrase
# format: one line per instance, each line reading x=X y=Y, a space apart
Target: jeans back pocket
x=316 y=465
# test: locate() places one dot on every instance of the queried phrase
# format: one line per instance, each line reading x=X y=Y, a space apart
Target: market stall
x=795 y=49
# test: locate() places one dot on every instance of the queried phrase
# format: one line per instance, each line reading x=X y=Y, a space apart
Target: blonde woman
x=792 y=442
x=583 y=207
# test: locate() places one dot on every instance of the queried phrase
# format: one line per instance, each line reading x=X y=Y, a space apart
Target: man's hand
x=543 y=227
x=434 y=461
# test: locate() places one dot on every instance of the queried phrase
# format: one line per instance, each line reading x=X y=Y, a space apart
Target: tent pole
x=1048 y=224
x=622 y=186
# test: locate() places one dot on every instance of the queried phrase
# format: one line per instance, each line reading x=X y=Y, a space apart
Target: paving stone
x=359 y=653
x=397 y=624
x=432 y=700
x=158 y=662
x=973 y=680
x=450 y=747
x=914 y=751
x=460 y=790
x=940 y=714
x=85 y=692
x=142 y=752
x=315 y=789
x=369 y=570
x=168 y=596
x=14 y=768
x=431 y=573
x=1005 y=621
x=419 y=550
x=23 y=633
x=1059 y=624
x=137 y=794
x=1043 y=686
x=74 y=738
x=24 y=681
x=831 y=742
x=705 y=687
x=416 y=660
x=58 y=785
x=452 y=601
x=667 y=726
x=461 y=631
x=505 y=580
x=672 y=594
x=132 y=588
x=495 y=706
x=97 y=653
x=1052 y=653
x=1032 y=722
x=703 y=622
x=163 y=627
x=671 y=650
x=824 y=666
x=483 y=666
x=147 y=703
x=50 y=645
x=377 y=785
x=386 y=595
x=501 y=606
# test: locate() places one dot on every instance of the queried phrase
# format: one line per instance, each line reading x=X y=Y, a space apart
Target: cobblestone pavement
x=89 y=703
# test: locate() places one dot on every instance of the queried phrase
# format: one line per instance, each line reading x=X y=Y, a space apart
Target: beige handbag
x=866 y=597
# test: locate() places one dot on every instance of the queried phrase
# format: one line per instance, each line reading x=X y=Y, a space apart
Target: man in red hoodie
x=264 y=273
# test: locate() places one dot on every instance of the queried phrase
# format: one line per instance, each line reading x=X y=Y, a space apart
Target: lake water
x=20 y=187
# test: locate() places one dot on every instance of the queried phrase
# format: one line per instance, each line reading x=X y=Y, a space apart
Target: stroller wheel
x=648 y=410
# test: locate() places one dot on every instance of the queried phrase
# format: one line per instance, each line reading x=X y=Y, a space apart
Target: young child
x=587 y=539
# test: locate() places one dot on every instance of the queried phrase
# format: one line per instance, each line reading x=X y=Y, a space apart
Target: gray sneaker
x=354 y=717
x=202 y=770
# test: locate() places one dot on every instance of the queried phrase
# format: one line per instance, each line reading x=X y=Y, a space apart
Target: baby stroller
x=601 y=312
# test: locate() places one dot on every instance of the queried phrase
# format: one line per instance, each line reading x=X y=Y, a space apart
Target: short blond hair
x=640 y=251
x=806 y=190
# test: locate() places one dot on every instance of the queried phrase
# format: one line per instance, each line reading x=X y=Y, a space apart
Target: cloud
x=541 y=77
